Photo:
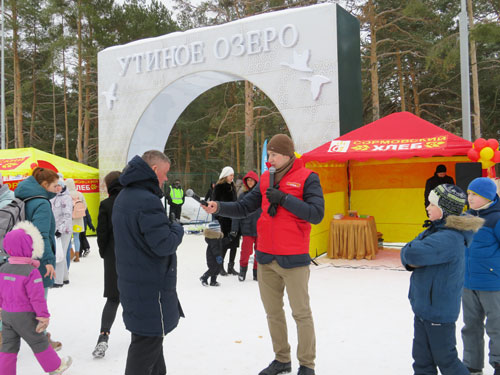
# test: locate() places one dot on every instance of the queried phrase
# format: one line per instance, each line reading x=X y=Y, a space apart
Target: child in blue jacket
x=481 y=296
x=436 y=258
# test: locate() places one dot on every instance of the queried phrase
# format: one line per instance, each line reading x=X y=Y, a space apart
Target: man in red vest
x=283 y=232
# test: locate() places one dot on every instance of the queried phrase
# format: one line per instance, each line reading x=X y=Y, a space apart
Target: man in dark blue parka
x=145 y=246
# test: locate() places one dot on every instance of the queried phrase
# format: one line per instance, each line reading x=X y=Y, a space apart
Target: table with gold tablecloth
x=352 y=237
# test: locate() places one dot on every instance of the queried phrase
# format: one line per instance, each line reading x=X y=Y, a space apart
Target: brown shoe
x=77 y=257
x=56 y=345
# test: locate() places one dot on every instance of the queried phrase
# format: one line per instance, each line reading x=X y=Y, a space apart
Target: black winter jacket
x=248 y=225
x=106 y=241
x=145 y=245
x=225 y=193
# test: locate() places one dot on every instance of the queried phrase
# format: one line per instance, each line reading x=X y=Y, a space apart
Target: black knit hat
x=441 y=168
x=281 y=144
x=449 y=198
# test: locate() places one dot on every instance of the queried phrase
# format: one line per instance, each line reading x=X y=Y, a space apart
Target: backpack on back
x=78 y=208
x=10 y=215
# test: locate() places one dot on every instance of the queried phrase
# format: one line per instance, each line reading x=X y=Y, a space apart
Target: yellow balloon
x=486 y=163
x=486 y=153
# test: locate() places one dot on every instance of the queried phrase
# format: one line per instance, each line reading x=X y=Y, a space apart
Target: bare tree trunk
x=238 y=170
x=416 y=99
x=204 y=183
x=18 y=101
x=262 y=139
x=373 y=62
x=54 y=112
x=79 y=151
x=475 y=79
x=86 y=124
x=187 y=165
x=179 y=151
x=232 y=151
x=401 y=83
x=65 y=99
x=257 y=148
x=409 y=104
x=249 y=127
x=33 y=108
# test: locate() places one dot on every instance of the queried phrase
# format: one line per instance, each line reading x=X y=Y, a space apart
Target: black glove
x=58 y=234
x=273 y=209
x=274 y=195
x=172 y=217
x=233 y=235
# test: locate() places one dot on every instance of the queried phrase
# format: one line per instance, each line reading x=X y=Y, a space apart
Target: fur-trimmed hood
x=17 y=247
x=464 y=222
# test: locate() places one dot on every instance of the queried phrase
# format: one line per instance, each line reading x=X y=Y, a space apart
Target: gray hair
x=153 y=157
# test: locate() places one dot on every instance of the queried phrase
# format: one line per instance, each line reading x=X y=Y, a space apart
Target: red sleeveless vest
x=285 y=233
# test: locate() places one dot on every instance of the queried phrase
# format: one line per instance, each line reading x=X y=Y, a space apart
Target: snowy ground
x=362 y=316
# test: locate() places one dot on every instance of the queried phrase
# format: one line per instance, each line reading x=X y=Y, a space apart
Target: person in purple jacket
x=23 y=307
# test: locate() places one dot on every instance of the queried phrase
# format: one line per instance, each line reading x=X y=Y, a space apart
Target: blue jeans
x=434 y=345
x=68 y=258
x=76 y=241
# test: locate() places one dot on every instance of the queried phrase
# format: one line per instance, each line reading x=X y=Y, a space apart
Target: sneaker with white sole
x=100 y=349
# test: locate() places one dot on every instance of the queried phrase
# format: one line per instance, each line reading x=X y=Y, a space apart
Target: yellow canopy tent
x=380 y=170
x=18 y=164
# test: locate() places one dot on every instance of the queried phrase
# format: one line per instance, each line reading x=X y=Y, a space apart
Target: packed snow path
x=364 y=323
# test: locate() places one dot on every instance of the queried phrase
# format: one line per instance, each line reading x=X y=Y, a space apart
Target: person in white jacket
x=62 y=207
x=78 y=225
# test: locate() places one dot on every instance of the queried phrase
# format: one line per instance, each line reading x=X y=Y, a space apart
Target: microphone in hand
x=272 y=171
x=192 y=194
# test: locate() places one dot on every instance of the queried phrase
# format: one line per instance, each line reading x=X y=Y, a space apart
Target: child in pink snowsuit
x=23 y=306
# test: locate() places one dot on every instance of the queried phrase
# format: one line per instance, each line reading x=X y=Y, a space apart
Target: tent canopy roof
x=20 y=162
x=400 y=135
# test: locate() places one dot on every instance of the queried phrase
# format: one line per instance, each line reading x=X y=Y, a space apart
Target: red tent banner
x=400 y=135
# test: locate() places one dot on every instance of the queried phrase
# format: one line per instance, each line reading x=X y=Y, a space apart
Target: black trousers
x=176 y=210
x=109 y=314
x=145 y=356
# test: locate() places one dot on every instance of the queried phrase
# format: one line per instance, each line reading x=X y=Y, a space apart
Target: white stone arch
x=294 y=56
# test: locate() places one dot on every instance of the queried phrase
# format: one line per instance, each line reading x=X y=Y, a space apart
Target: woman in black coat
x=106 y=243
x=225 y=191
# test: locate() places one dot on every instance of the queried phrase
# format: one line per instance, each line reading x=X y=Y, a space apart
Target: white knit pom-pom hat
x=226 y=172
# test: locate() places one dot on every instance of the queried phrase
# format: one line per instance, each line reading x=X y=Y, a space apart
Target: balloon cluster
x=485 y=152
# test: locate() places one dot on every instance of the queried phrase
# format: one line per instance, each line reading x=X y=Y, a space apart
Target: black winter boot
x=222 y=270
x=204 y=280
x=231 y=270
x=277 y=367
x=243 y=273
x=213 y=281
x=303 y=370
x=255 y=274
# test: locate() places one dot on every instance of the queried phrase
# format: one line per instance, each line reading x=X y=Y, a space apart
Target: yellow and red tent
x=18 y=163
x=380 y=170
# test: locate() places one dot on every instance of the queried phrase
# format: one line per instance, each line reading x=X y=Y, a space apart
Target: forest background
x=410 y=62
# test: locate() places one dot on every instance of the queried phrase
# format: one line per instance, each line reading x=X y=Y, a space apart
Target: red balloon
x=493 y=143
x=473 y=155
x=496 y=157
x=480 y=143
